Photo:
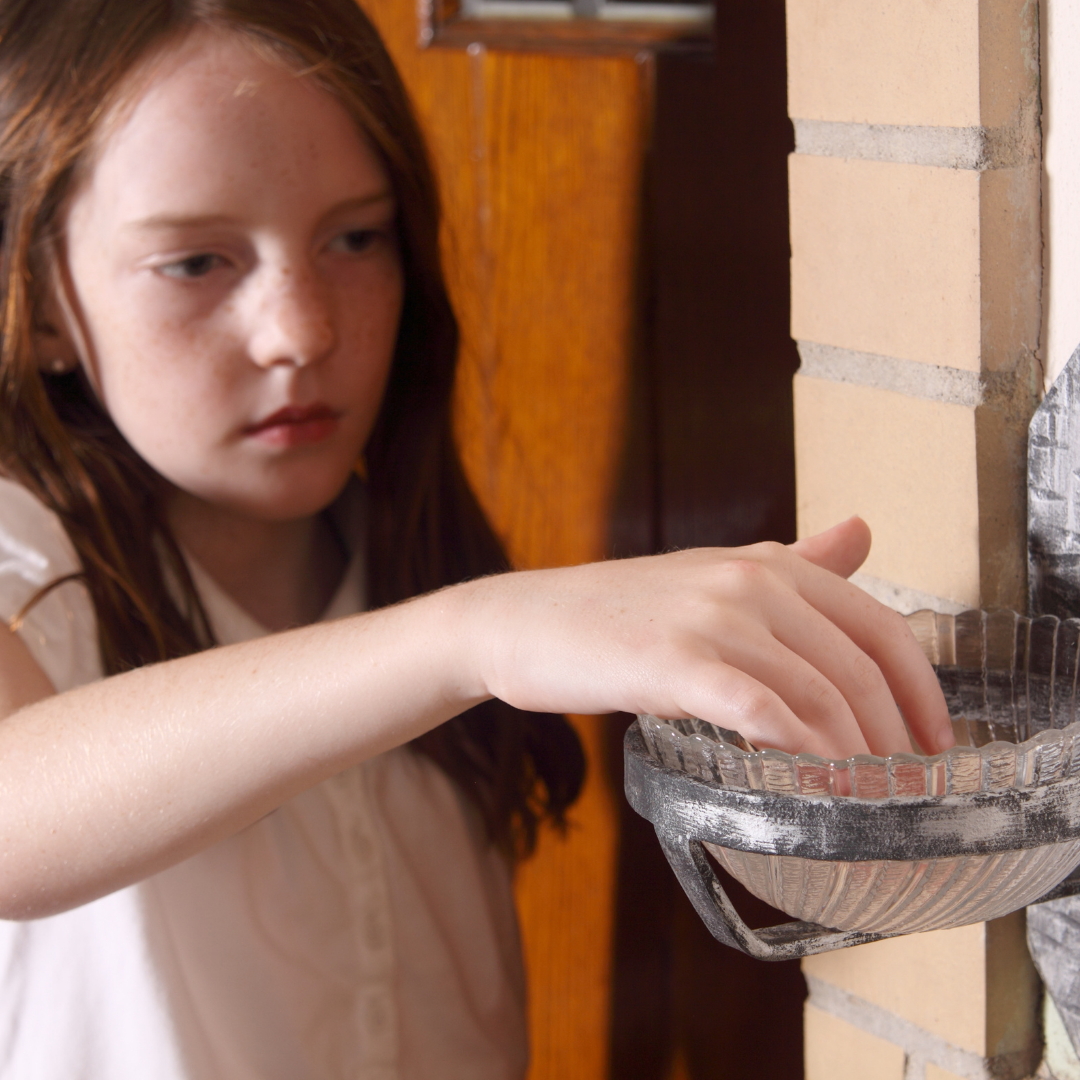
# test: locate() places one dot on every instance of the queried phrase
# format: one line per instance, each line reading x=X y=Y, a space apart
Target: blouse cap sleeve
x=60 y=630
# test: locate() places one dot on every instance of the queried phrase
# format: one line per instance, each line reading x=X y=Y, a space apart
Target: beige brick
x=885 y=259
x=933 y=1072
x=836 y=1050
x=913 y=61
x=906 y=465
x=935 y=980
x=884 y=62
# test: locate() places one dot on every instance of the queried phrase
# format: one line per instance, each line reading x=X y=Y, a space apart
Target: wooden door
x=620 y=352
x=539 y=159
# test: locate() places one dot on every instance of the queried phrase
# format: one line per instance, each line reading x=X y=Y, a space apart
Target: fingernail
x=946 y=741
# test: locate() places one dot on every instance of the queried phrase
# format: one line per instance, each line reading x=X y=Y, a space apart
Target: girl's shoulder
x=60 y=628
x=33 y=543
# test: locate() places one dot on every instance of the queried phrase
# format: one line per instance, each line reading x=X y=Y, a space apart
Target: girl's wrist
x=458 y=623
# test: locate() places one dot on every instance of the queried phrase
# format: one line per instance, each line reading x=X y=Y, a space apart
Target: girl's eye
x=194 y=266
x=355 y=241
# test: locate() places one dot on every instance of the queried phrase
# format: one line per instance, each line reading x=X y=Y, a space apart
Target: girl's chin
x=303 y=494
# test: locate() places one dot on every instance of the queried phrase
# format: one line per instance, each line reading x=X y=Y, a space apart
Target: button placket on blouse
x=375 y=1009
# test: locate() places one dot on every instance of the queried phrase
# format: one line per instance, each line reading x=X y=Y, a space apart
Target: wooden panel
x=544 y=371
x=540 y=160
x=578 y=36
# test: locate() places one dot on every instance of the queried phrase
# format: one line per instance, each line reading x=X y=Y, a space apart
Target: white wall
x=1061 y=181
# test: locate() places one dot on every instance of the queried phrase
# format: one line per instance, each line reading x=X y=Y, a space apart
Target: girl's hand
x=767 y=640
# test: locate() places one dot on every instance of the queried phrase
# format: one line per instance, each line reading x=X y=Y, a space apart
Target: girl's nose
x=293 y=320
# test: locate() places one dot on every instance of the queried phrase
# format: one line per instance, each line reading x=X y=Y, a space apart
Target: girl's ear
x=54 y=348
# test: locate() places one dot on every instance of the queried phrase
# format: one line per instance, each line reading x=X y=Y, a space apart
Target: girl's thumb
x=841 y=549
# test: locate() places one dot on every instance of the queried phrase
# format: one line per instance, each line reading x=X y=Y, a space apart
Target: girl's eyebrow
x=350 y=205
x=178 y=221
x=196 y=221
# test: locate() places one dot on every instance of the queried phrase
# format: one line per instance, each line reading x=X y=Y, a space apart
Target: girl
x=226 y=852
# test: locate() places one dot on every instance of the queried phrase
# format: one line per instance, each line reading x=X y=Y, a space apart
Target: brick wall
x=916 y=275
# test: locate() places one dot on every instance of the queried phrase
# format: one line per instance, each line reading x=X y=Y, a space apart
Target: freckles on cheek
x=164 y=396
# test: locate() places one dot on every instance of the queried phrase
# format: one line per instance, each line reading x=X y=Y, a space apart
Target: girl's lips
x=295 y=426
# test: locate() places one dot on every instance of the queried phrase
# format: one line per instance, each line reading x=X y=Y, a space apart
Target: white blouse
x=363 y=930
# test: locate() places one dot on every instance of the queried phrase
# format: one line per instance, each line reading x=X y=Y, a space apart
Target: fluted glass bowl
x=1010 y=684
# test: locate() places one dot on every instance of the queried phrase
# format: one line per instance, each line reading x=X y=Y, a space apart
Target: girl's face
x=232 y=280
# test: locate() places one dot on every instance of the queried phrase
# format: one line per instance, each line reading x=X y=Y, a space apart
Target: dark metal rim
x=848 y=829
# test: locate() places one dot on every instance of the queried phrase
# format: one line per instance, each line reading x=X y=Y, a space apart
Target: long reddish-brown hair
x=63 y=66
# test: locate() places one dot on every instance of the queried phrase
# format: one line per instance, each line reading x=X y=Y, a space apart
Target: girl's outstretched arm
x=104 y=785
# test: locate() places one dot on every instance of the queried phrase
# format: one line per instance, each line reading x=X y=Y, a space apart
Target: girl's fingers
x=730 y=697
x=825 y=722
x=822 y=674
x=883 y=636
x=856 y=676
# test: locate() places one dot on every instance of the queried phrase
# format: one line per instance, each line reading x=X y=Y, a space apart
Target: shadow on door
x=709 y=461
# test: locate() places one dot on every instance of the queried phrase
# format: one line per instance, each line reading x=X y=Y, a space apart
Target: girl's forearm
x=106 y=784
